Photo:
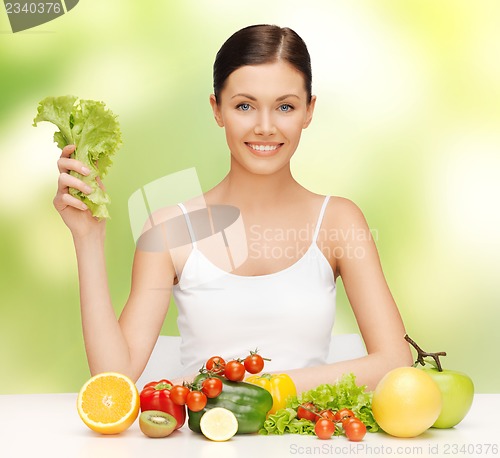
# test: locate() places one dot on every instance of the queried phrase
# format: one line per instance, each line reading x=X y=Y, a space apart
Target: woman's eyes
x=243 y=106
x=284 y=108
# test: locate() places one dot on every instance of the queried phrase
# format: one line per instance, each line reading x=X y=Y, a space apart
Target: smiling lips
x=264 y=149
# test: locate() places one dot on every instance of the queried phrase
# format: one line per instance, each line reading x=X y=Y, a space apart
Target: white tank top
x=288 y=315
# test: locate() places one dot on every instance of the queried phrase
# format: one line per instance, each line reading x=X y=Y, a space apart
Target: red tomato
x=346 y=420
x=235 y=371
x=178 y=394
x=254 y=363
x=342 y=413
x=196 y=401
x=216 y=365
x=212 y=387
x=307 y=411
x=355 y=430
x=324 y=428
x=328 y=414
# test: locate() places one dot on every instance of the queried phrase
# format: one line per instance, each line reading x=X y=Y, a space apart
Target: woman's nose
x=265 y=124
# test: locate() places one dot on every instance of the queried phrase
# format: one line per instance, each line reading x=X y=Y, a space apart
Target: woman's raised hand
x=73 y=211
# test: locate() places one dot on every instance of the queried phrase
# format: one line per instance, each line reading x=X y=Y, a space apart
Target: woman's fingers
x=65 y=164
x=68 y=150
x=69 y=181
x=61 y=201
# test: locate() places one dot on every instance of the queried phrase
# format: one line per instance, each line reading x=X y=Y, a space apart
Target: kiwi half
x=154 y=423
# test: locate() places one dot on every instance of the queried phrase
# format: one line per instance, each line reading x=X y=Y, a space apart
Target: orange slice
x=108 y=403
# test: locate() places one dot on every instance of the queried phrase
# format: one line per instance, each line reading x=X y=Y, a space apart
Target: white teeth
x=263 y=148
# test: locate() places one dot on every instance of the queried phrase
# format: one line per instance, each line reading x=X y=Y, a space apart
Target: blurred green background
x=406 y=125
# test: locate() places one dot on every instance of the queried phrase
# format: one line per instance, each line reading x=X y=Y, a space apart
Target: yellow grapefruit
x=108 y=403
x=406 y=402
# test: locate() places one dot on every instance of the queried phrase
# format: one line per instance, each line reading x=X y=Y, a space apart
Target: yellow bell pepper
x=280 y=386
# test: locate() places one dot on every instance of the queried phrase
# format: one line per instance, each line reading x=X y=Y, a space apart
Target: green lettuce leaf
x=286 y=421
x=95 y=131
x=342 y=394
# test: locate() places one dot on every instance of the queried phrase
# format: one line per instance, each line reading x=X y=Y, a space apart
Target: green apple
x=457 y=390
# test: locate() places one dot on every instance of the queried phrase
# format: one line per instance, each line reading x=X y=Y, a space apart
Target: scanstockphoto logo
x=26 y=15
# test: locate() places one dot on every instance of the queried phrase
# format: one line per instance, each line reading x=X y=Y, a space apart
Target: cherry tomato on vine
x=304 y=411
x=354 y=429
x=254 y=363
x=346 y=420
x=328 y=414
x=196 y=401
x=216 y=365
x=235 y=371
x=342 y=413
x=211 y=387
x=324 y=428
x=178 y=394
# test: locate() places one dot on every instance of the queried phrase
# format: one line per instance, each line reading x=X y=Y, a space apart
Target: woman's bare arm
x=376 y=312
x=122 y=345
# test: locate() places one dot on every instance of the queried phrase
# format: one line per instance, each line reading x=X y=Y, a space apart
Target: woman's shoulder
x=343 y=205
x=343 y=212
x=159 y=217
x=173 y=211
x=337 y=210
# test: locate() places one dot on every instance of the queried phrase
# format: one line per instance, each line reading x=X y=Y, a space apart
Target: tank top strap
x=320 y=219
x=188 y=223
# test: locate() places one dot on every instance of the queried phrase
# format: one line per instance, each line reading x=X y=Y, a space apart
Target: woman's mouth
x=264 y=149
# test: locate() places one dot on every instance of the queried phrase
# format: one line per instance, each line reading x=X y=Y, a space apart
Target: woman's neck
x=258 y=191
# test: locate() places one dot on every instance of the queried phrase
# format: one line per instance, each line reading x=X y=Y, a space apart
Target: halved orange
x=108 y=403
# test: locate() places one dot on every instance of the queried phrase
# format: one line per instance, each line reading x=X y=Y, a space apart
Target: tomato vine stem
x=256 y=352
x=421 y=354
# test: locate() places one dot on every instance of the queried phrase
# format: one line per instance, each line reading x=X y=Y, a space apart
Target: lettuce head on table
x=94 y=130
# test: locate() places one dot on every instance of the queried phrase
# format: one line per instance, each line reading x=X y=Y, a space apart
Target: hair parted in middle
x=261 y=44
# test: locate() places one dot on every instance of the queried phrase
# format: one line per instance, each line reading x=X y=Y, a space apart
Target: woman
x=284 y=304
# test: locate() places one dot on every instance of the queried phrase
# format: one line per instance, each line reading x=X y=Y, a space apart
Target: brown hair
x=262 y=44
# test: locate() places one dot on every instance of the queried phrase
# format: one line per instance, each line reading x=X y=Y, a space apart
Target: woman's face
x=263 y=109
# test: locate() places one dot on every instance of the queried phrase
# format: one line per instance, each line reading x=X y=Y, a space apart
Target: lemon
x=406 y=402
x=218 y=424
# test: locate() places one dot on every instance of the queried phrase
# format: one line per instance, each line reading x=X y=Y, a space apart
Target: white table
x=48 y=425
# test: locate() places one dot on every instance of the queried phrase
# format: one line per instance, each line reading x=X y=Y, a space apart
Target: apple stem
x=421 y=354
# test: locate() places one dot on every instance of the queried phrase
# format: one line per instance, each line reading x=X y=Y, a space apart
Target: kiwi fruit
x=154 y=423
